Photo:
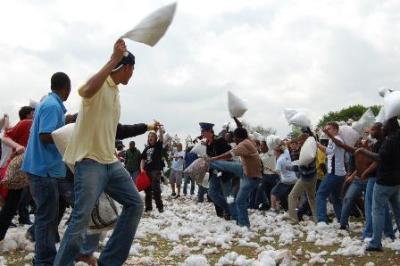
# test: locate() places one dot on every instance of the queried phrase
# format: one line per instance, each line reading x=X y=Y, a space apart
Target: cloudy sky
x=318 y=55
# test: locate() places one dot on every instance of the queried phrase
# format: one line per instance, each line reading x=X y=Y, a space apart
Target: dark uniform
x=217 y=147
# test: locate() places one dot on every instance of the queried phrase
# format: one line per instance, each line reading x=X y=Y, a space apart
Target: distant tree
x=265 y=131
x=295 y=133
x=353 y=112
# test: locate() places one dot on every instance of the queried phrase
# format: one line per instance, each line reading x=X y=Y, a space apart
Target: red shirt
x=20 y=132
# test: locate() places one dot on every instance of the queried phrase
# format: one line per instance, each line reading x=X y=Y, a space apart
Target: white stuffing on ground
x=191 y=233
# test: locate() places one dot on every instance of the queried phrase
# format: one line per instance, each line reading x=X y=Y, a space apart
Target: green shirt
x=133 y=158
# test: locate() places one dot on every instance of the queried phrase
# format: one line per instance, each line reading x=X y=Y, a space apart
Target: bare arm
x=238 y=123
x=9 y=142
x=225 y=156
x=94 y=84
x=321 y=147
x=161 y=134
x=6 y=124
x=46 y=138
x=142 y=162
x=372 y=155
x=339 y=143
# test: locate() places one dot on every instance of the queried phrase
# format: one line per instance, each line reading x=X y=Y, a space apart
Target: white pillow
x=200 y=149
x=308 y=152
x=297 y=118
x=62 y=137
x=236 y=106
x=365 y=121
x=150 y=30
x=392 y=104
x=349 y=135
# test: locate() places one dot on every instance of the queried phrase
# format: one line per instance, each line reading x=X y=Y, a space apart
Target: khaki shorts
x=176 y=177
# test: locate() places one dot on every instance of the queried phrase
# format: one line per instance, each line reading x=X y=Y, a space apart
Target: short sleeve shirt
x=44 y=159
x=20 y=132
x=96 y=126
x=335 y=157
x=177 y=164
x=152 y=155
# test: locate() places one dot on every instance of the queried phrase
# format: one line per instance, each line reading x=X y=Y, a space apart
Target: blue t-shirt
x=44 y=159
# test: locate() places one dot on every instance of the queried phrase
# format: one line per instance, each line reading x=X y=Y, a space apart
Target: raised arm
x=238 y=123
x=94 y=84
x=6 y=122
x=160 y=132
x=339 y=143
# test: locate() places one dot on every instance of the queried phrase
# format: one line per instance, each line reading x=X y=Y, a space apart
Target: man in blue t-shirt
x=44 y=166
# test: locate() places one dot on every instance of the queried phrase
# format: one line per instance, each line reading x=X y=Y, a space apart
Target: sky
x=315 y=55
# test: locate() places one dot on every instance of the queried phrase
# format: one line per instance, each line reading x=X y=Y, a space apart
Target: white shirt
x=269 y=162
x=335 y=153
x=177 y=164
x=283 y=162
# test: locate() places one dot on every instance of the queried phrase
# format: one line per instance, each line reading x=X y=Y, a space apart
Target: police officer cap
x=206 y=126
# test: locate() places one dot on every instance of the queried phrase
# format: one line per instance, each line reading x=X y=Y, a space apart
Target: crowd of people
x=244 y=172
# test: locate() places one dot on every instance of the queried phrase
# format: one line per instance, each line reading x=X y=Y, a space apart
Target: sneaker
x=161 y=210
x=373 y=249
x=227 y=216
x=173 y=194
x=264 y=207
x=29 y=236
x=25 y=222
x=148 y=210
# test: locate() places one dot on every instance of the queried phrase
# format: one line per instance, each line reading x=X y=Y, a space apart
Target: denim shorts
x=281 y=190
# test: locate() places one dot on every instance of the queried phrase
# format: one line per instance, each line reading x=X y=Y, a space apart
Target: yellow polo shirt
x=96 y=126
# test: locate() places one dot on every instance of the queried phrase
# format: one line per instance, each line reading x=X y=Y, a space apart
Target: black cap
x=128 y=59
x=206 y=126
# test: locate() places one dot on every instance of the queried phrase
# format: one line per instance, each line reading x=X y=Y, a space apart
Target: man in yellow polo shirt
x=97 y=169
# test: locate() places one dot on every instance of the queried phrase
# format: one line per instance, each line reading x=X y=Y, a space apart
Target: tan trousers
x=299 y=188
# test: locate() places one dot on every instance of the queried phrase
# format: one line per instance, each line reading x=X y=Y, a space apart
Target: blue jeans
x=388 y=228
x=236 y=169
x=134 y=174
x=91 y=179
x=187 y=180
x=201 y=192
x=382 y=195
x=263 y=194
x=215 y=191
x=45 y=195
x=227 y=191
x=331 y=185
x=228 y=166
x=90 y=244
x=353 y=192
x=247 y=185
